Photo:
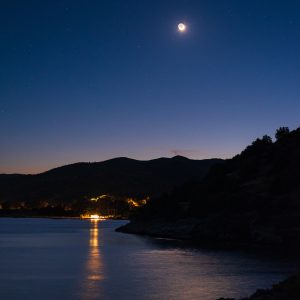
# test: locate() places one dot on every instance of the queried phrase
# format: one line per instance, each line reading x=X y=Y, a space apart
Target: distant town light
x=95 y=217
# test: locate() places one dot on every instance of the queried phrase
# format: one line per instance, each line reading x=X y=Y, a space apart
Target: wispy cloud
x=200 y=153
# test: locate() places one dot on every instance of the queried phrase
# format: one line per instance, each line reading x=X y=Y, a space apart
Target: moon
x=181 y=27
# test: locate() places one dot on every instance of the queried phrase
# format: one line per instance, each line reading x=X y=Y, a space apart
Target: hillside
x=288 y=289
x=252 y=199
x=69 y=187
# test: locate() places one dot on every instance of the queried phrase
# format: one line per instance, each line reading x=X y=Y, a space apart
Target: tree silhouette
x=282 y=132
x=267 y=139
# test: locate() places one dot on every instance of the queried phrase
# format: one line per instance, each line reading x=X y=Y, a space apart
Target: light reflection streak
x=94 y=265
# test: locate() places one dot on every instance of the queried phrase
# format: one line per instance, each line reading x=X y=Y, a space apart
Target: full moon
x=181 y=27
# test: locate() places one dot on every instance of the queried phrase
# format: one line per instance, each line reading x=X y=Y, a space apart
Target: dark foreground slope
x=68 y=187
x=286 y=290
x=252 y=199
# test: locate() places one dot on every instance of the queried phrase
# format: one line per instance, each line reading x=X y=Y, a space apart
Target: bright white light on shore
x=95 y=217
x=181 y=27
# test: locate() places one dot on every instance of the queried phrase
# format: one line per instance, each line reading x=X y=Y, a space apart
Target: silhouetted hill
x=288 y=289
x=68 y=186
x=253 y=198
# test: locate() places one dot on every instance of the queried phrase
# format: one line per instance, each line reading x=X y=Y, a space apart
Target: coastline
x=211 y=231
x=35 y=215
x=186 y=230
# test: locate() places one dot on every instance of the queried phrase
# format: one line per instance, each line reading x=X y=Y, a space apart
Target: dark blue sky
x=91 y=80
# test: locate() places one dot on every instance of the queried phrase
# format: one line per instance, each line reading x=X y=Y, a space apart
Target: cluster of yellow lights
x=93 y=217
x=139 y=203
x=99 y=197
x=133 y=203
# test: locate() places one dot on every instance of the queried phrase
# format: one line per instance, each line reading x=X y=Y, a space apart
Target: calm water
x=80 y=259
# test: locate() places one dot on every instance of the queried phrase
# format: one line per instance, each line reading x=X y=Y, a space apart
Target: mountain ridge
x=120 y=158
x=79 y=181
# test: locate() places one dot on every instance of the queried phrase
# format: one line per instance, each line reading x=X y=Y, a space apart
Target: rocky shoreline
x=237 y=231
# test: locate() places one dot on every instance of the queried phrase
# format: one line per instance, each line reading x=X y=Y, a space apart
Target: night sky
x=92 y=80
